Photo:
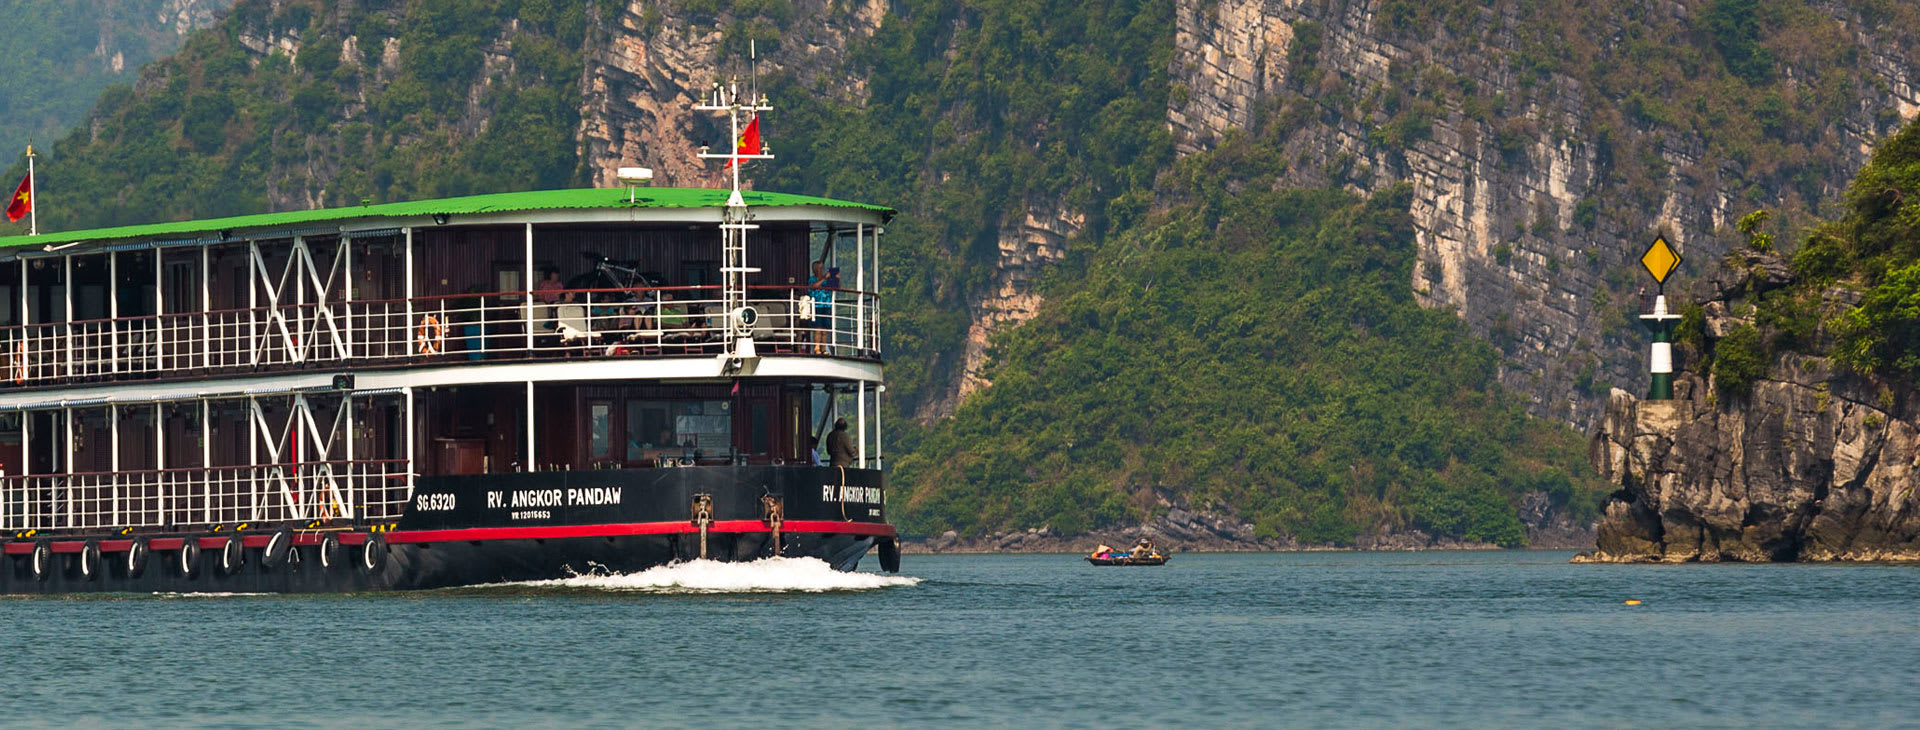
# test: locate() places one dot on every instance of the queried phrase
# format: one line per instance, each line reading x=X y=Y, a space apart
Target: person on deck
x=840 y=445
x=548 y=290
x=822 y=304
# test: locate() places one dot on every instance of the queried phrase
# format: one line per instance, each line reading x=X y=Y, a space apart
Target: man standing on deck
x=840 y=444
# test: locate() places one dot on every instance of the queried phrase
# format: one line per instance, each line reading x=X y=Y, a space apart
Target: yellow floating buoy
x=1633 y=601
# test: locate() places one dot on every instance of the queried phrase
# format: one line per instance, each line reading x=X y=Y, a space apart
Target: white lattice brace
x=322 y=306
x=323 y=452
x=291 y=343
x=276 y=473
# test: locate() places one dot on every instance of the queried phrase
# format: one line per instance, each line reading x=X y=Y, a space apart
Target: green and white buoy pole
x=1661 y=260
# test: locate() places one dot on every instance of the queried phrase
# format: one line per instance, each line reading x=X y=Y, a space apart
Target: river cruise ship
x=493 y=388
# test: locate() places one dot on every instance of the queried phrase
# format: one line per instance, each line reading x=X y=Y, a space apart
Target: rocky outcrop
x=1519 y=197
x=644 y=69
x=1810 y=463
x=1038 y=240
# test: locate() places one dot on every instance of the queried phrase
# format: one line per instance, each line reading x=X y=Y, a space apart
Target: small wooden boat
x=1128 y=560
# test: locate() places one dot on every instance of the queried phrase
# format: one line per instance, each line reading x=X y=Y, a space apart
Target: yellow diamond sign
x=1660 y=259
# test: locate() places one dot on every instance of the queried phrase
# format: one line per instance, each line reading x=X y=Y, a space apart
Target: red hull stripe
x=876 y=529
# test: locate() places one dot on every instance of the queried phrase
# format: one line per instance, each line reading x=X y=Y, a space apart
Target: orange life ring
x=431 y=335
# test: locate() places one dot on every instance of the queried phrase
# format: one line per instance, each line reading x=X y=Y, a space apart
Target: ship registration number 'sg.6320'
x=433 y=502
x=864 y=495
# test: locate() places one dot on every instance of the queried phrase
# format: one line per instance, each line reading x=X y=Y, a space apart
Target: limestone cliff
x=1810 y=463
x=1541 y=167
x=645 y=67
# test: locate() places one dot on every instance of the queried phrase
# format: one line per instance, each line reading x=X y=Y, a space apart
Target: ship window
x=649 y=431
x=762 y=428
x=507 y=278
x=600 y=434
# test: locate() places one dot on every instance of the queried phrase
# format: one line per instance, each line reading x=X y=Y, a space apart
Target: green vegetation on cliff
x=1253 y=352
x=218 y=127
x=1871 y=256
x=978 y=109
x=59 y=55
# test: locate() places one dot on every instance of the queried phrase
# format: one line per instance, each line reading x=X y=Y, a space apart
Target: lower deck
x=341 y=456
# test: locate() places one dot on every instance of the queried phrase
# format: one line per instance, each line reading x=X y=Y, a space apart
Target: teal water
x=1361 y=640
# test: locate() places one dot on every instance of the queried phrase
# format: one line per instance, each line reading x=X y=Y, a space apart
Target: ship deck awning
x=389 y=216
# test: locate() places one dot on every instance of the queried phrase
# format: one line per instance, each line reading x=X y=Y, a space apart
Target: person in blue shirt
x=819 y=286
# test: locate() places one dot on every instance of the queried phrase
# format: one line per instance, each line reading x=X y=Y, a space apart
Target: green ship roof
x=607 y=198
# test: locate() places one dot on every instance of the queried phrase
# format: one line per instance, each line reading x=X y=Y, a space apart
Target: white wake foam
x=771 y=575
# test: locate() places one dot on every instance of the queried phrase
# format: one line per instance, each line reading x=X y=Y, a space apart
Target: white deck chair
x=573 y=326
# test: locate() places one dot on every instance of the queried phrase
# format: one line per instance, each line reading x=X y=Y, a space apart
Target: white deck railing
x=659 y=322
x=202 y=497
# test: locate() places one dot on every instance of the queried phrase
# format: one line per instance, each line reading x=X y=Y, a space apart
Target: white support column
x=26 y=333
x=412 y=464
x=253 y=302
x=532 y=462
x=66 y=448
x=526 y=304
x=159 y=313
x=113 y=457
x=113 y=314
x=860 y=421
x=346 y=296
x=346 y=404
x=406 y=325
x=879 y=452
x=206 y=307
x=206 y=461
x=253 y=451
x=160 y=448
x=66 y=303
x=860 y=299
x=295 y=258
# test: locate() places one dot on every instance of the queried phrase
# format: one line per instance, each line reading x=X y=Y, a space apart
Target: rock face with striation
x=1535 y=184
x=1812 y=463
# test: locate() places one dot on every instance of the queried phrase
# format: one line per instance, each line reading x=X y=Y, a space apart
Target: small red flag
x=21 y=203
x=749 y=142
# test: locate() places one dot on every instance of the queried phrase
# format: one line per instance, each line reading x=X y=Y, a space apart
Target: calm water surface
x=1510 y=639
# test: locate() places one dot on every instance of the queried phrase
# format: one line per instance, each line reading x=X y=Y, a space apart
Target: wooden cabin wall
x=466 y=259
x=12 y=458
x=673 y=253
x=183 y=435
x=46 y=295
x=137 y=447
x=10 y=293
x=180 y=273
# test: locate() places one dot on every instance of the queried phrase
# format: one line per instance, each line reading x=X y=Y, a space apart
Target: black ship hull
x=469 y=530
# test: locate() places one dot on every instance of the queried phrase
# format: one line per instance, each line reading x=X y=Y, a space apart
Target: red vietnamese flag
x=749 y=142
x=21 y=203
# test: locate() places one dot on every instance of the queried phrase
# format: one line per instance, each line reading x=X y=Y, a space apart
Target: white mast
x=727 y=99
x=33 y=196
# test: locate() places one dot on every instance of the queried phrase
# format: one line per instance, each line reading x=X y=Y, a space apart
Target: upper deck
x=580 y=276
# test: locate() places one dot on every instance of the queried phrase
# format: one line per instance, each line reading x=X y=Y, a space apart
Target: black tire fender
x=278 y=547
x=189 y=558
x=329 y=552
x=373 y=554
x=88 y=561
x=233 y=554
x=40 y=561
x=137 y=553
